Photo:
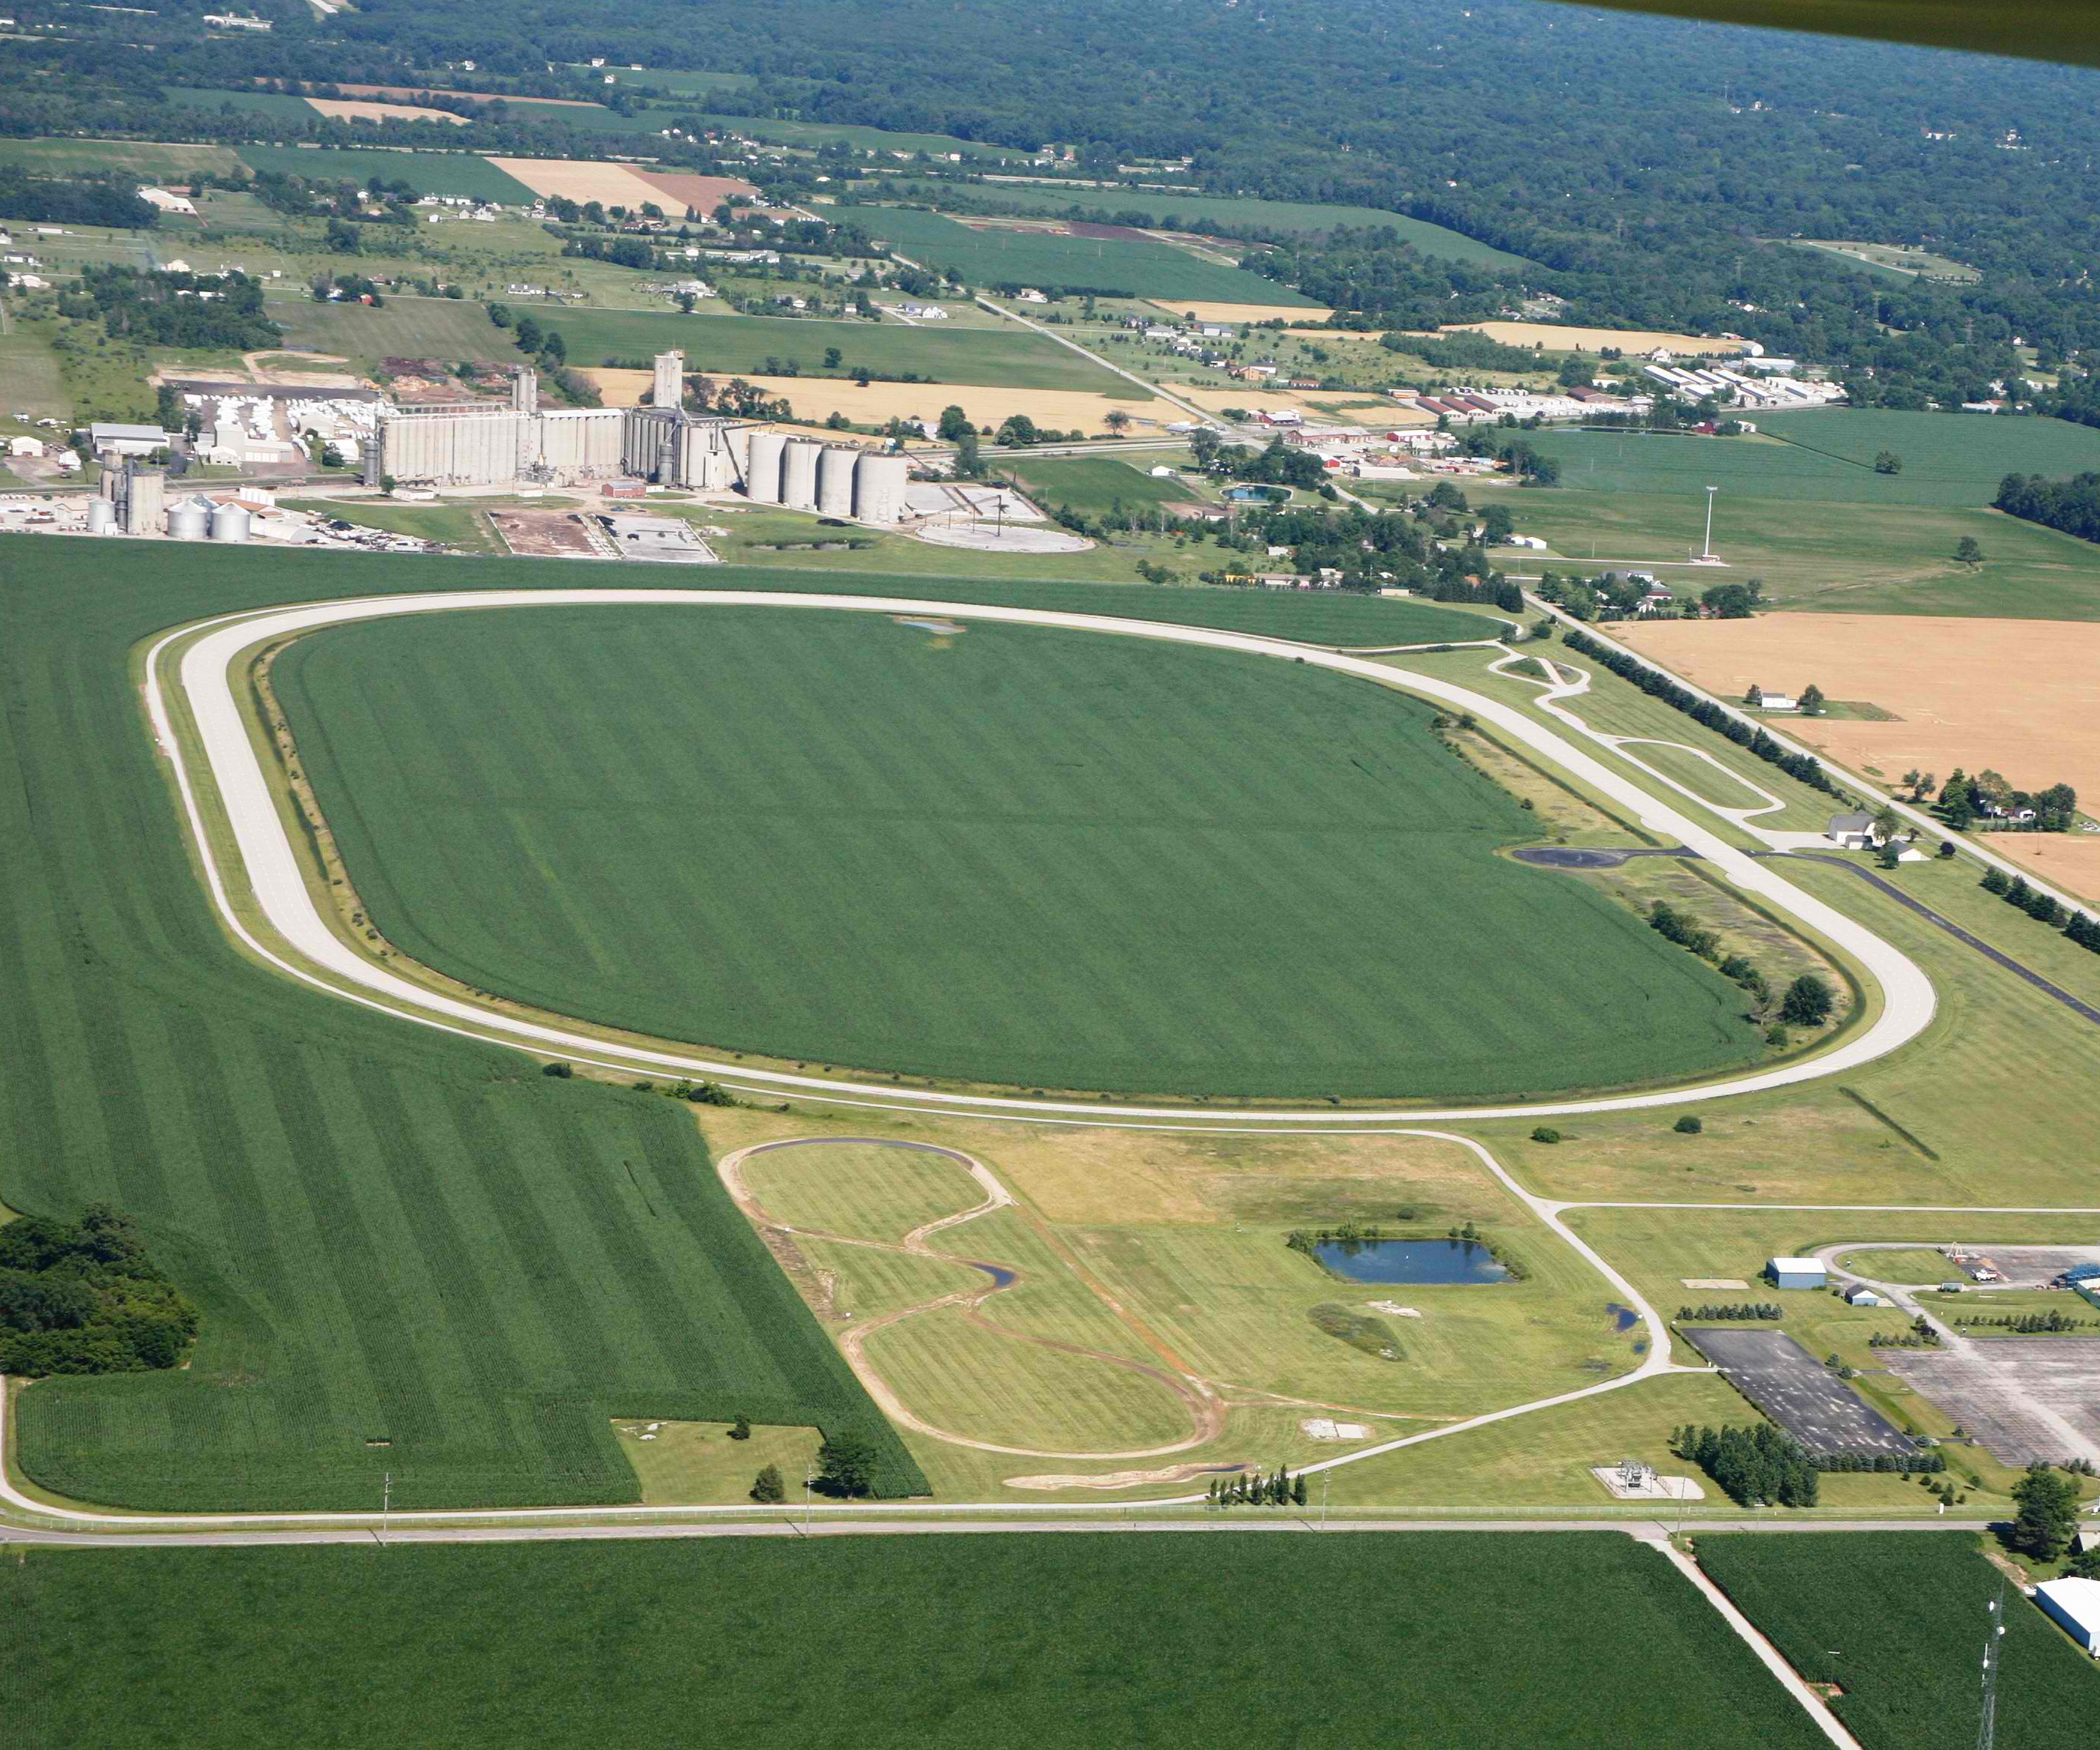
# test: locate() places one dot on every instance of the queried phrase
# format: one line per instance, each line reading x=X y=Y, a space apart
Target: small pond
x=1410 y=1261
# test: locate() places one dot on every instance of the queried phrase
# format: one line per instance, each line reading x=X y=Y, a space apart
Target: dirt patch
x=353 y=109
x=1128 y=1478
x=544 y=534
x=2012 y=695
x=703 y=194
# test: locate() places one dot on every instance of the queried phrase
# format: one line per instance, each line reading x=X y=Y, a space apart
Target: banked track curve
x=308 y=950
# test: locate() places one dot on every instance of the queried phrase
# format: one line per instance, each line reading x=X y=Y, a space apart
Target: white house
x=1855 y=832
x=1777 y=701
x=2074 y=1606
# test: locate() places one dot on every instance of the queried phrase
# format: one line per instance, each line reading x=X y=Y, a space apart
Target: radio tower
x=1986 y=1733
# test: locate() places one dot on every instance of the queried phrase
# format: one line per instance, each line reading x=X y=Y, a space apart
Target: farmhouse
x=1797 y=1272
x=2073 y=1605
x=1855 y=832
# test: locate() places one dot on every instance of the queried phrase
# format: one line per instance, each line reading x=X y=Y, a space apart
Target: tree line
x=83 y=1296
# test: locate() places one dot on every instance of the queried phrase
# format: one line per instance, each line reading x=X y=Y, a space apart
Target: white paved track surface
x=270 y=868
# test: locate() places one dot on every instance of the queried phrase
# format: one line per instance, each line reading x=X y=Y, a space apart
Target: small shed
x=1858 y=1294
x=1797 y=1272
x=2074 y=1606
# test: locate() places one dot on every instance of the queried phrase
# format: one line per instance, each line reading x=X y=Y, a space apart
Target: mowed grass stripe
x=1029 y=857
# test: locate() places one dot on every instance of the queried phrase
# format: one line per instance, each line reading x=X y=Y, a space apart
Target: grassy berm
x=1347 y=1643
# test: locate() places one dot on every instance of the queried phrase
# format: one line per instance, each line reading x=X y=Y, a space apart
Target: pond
x=1429 y=1261
x=1252 y=495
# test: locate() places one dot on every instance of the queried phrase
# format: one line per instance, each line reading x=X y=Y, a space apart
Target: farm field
x=1093 y=485
x=1008 y=357
x=818 y=134
x=1946 y=451
x=814 y=399
x=390 y=1237
x=1123 y=267
x=899 y=840
x=279 y=105
x=29 y=377
x=1895 y=260
x=954 y=1642
x=123 y=157
x=2015 y=696
x=1560 y=337
x=434 y=173
x=1880 y=559
x=1901 y=1665
x=447 y=329
x=363 y=109
x=1231 y=214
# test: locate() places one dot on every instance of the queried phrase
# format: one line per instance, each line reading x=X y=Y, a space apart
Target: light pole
x=1706 y=549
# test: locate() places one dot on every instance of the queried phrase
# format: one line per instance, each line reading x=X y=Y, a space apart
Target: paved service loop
x=273 y=874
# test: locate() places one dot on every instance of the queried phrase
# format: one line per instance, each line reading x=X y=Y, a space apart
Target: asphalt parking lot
x=1796 y=1390
x=2021 y=1398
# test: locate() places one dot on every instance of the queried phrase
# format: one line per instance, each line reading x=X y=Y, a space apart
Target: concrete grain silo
x=835 y=480
x=762 y=479
x=798 y=473
x=878 y=483
x=229 y=522
x=189 y=520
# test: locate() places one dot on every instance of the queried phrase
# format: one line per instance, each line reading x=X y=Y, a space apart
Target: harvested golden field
x=815 y=399
x=402 y=93
x=576 y=180
x=2013 y=695
x=346 y=109
x=1555 y=337
x=1307 y=314
x=2068 y=860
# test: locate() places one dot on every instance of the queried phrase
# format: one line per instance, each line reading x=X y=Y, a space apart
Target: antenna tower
x=1987 y=1732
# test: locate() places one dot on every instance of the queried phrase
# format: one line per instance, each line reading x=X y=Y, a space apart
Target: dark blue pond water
x=1410 y=1261
x=1623 y=1318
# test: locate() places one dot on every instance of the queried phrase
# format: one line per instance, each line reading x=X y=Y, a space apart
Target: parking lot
x=1799 y=1393
x=2021 y=1397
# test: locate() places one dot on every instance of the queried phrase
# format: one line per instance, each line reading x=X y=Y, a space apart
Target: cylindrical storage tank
x=879 y=483
x=112 y=479
x=189 y=521
x=834 y=478
x=798 y=473
x=101 y=516
x=762 y=479
x=229 y=522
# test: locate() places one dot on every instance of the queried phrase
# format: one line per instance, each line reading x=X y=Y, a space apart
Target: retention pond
x=1414 y=1261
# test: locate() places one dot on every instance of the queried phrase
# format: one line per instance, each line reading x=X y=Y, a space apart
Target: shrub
x=1545 y=1134
x=1688 y=1125
x=1809 y=1001
x=561 y=1070
x=768 y=1489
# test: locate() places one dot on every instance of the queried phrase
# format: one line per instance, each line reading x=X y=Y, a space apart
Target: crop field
x=1122 y=265
x=1946 y=452
x=817 y=134
x=1845 y=557
x=1092 y=485
x=433 y=172
x=1233 y=214
x=122 y=157
x=1008 y=358
x=953 y=1642
x=393 y=1237
x=445 y=328
x=959 y=820
x=1907 y=1662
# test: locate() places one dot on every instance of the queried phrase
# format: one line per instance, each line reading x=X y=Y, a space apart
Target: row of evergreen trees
x=1657 y=684
x=1755 y=1465
x=2081 y=927
x=1255 y=1490
x=1741 y=1309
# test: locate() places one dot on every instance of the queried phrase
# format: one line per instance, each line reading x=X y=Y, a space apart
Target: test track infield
x=206 y=678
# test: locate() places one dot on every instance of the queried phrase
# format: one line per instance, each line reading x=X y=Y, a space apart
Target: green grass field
x=447 y=329
x=1899 y=1624
x=815 y=134
x=1837 y=557
x=123 y=157
x=391 y=1235
x=1177 y=211
x=1008 y=357
x=1065 y=1641
x=431 y=173
x=962 y=821
x=461 y=526
x=29 y=376
x=1094 y=485
x=1118 y=265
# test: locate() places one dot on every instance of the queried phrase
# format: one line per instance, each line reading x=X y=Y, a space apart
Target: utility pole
x=1987 y=1732
x=809 y=1490
x=1706 y=552
x=1324 y=1475
x=386 y=1503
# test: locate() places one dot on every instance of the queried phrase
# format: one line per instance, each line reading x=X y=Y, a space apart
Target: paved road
x=2077 y=1005
x=273 y=873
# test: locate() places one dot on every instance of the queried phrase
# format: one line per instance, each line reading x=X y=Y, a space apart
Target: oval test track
x=275 y=876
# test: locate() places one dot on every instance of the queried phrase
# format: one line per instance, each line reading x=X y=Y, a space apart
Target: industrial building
x=2074 y=1606
x=1797 y=1272
x=833 y=479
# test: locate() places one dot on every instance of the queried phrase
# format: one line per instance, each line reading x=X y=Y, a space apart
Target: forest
x=83 y=1297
